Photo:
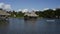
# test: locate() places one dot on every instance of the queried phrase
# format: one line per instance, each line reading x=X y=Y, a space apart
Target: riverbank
x=38 y=17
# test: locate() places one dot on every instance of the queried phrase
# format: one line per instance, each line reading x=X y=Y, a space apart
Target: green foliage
x=46 y=13
x=17 y=14
x=20 y=14
x=49 y=13
x=57 y=11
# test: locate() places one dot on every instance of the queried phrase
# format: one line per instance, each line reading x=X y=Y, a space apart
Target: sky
x=29 y=4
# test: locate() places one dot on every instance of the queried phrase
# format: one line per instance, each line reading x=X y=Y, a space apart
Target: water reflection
x=4 y=27
x=52 y=27
x=30 y=26
x=30 y=21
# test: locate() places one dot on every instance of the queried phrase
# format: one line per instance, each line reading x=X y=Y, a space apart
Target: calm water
x=38 y=26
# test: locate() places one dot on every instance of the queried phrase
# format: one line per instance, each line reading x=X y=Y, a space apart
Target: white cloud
x=5 y=6
x=1 y=5
x=35 y=10
x=54 y=9
x=25 y=10
x=19 y=10
x=44 y=9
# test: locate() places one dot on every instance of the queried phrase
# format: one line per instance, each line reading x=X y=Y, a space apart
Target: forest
x=50 y=13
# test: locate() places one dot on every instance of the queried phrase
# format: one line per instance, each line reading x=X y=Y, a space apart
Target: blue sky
x=29 y=4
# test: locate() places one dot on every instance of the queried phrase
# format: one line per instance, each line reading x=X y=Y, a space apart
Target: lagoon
x=36 y=26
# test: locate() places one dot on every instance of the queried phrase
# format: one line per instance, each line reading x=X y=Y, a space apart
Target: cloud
x=35 y=10
x=25 y=10
x=54 y=9
x=45 y=9
x=1 y=5
x=19 y=10
x=5 y=6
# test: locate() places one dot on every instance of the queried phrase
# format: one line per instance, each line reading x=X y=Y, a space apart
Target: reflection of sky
x=30 y=22
x=4 y=28
x=39 y=26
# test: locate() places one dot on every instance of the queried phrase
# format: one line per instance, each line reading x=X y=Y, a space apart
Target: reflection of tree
x=4 y=27
x=4 y=22
x=30 y=21
x=29 y=25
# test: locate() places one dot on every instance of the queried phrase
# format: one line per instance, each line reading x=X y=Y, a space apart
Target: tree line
x=50 y=13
